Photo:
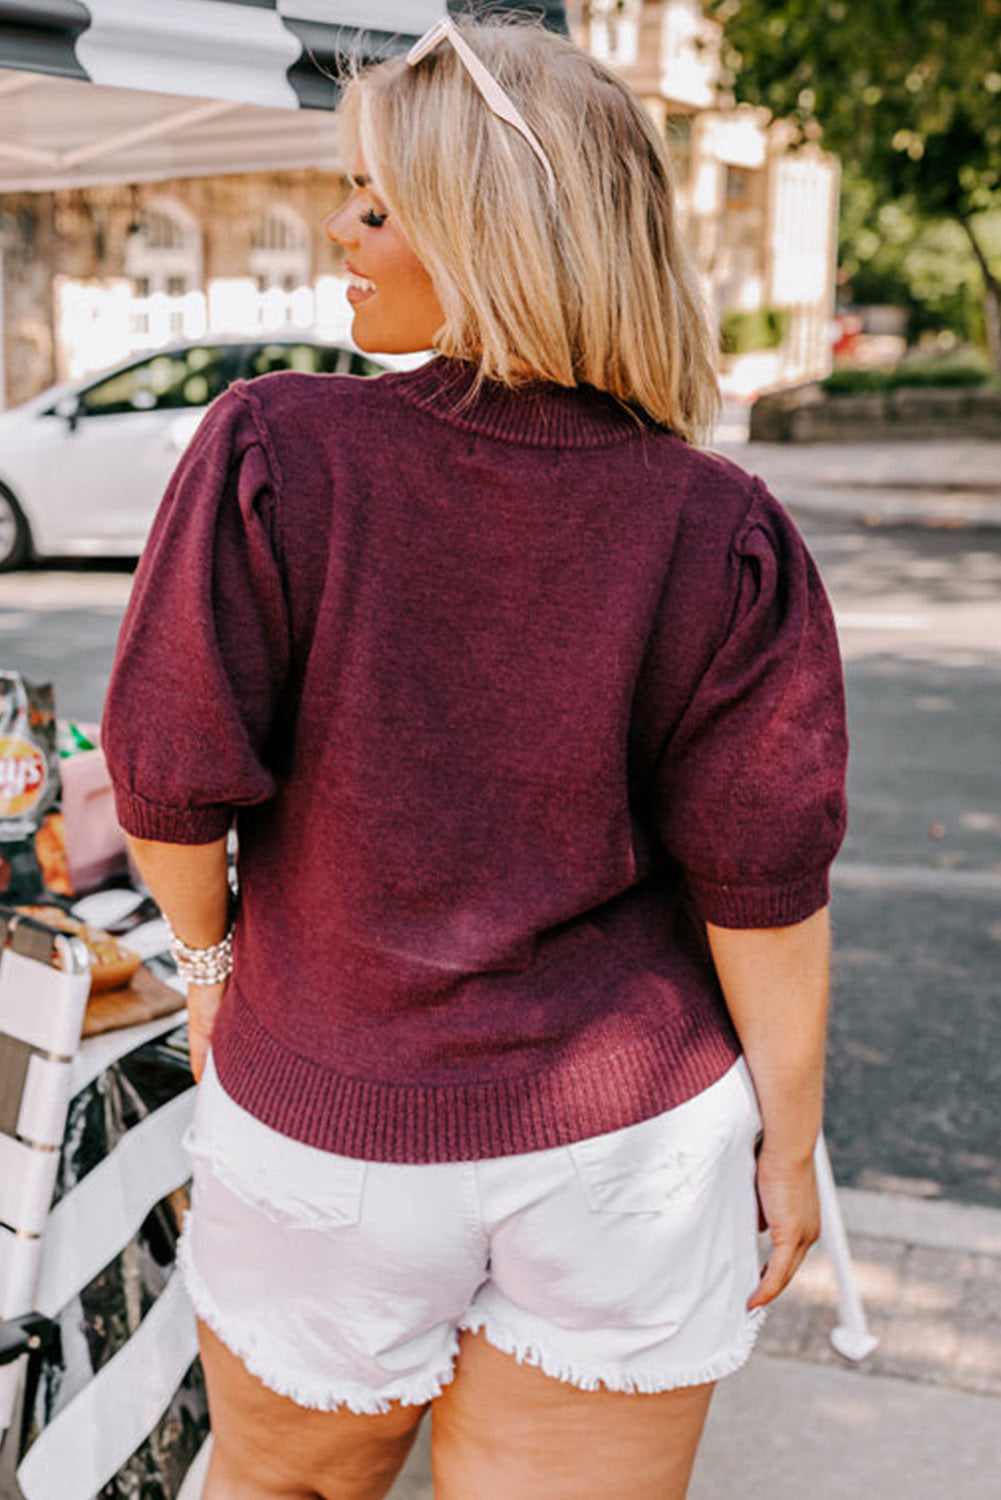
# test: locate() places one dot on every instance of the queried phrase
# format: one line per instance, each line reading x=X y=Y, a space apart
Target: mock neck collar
x=539 y=415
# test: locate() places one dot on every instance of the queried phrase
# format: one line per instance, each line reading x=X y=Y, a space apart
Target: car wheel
x=15 y=538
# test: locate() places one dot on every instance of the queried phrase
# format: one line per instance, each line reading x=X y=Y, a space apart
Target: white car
x=84 y=465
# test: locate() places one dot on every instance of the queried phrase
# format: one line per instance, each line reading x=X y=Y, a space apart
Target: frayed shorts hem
x=305 y=1393
x=419 y=1392
x=558 y=1367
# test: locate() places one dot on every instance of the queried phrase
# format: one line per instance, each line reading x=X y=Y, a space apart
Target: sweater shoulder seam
x=241 y=389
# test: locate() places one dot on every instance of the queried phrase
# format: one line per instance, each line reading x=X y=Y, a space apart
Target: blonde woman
x=529 y=717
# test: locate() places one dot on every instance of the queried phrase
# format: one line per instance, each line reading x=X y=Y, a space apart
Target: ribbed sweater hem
x=415 y=1123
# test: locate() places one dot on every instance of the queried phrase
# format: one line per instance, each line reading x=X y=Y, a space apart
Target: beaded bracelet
x=203 y=965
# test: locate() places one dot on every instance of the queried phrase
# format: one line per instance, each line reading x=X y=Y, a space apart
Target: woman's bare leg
x=503 y=1428
x=265 y=1447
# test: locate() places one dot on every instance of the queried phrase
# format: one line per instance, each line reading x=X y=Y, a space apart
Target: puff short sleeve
x=202 y=658
x=749 y=790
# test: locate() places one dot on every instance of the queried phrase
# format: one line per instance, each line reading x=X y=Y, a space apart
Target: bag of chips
x=32 y=846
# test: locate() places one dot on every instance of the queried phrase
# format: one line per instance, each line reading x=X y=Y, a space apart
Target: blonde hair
x=594 y=287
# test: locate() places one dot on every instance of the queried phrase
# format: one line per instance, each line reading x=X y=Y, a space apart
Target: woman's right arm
x=776 y=981
x=189 y=883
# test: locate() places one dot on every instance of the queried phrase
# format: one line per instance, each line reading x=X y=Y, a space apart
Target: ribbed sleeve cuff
x=779 y=905
x=170 y=825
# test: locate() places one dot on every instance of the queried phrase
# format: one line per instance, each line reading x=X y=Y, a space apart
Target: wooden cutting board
x=146 y=998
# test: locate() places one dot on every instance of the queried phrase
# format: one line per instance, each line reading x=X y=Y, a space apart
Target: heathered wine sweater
x=509 y=693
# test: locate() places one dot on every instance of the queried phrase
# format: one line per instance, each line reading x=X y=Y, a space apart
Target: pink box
x=95 y=845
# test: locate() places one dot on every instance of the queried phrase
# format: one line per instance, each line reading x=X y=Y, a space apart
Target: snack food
x=50 y=851
x=29 y=790
x=112 y=965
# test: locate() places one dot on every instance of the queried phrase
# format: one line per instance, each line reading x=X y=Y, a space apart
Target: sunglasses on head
x=494 y=97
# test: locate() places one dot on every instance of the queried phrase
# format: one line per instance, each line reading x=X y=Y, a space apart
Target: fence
x=98 y=325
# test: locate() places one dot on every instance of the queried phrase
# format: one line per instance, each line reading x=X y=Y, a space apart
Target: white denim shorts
x=625 y=1260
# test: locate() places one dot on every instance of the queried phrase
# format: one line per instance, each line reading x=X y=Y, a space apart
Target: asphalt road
x=915 y=1052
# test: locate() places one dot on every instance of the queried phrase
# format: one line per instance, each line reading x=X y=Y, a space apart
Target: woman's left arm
x=189 y=882
x=776 y=982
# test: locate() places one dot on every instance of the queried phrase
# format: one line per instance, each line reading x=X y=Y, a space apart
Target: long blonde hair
x=594 y=287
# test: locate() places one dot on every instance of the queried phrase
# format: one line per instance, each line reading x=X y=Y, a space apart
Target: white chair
x=41 y=1014
x=97 y=1338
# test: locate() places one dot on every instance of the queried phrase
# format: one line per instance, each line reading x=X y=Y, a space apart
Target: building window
x=613 y=30
x=164 y=231
x=164 y=251
x=280 y=255
x=739 y=189
x=678 y=134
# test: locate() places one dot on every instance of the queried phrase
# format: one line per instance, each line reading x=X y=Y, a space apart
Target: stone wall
x=26 y=242
x=809 y=414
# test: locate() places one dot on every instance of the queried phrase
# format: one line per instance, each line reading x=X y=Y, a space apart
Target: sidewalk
x=938 y=483
x=919 y=1419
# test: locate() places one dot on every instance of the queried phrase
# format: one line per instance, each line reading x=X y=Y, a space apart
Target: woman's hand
x=775 y=981
x=789 y=1208
x=204 y=1001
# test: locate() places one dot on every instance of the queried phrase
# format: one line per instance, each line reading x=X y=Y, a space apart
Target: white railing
x=98 y=325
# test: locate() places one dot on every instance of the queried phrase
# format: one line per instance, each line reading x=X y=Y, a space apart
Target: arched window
x=164 y=252
x=280 y=253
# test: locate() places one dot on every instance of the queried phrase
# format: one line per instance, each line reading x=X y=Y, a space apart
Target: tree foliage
x=887 y=252
x=908 y=92
x=908 y=89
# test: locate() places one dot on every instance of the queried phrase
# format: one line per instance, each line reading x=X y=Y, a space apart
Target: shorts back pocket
x=666 y=1160
x=290 y=1183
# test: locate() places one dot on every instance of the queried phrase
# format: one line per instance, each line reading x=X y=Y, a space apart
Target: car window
x=309 y=359
x=191 y=377
x=360 y=364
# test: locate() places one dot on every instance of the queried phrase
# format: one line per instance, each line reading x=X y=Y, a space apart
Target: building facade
x=760 y=217
x=91 y=275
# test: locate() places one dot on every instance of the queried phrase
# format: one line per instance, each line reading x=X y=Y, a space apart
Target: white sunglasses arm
x=497 y=101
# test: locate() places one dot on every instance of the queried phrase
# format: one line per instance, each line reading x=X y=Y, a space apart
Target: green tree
x=908 y=92
x=888 y=253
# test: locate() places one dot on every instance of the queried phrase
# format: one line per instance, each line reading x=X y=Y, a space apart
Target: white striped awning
x=181 y=88
x=273 y=52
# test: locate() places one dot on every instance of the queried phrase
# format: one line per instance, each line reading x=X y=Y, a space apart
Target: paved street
x=59 y=625
x=915 y=1057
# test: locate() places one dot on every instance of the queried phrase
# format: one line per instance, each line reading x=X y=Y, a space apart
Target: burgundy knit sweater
x=509 y=693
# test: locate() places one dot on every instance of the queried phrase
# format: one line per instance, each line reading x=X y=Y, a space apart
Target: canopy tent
x=188 y=87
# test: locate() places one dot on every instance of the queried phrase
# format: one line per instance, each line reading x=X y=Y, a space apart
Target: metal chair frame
x=41 y=1016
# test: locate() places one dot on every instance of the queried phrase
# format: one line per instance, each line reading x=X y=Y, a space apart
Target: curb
x=926 y=1274
x=870 y=507
x=932 y=1223
x=938 y=485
